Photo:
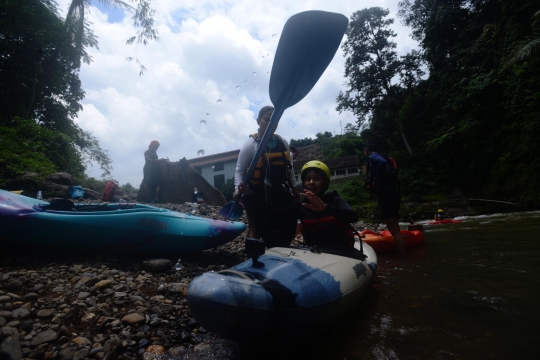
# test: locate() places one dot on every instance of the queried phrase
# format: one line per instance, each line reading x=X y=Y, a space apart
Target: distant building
x=216 y=168
x=219 y=167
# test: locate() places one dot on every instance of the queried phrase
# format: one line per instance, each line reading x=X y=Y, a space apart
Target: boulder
x=178 y=180
x=91 y=194
x=51 y=190
x=60 y=178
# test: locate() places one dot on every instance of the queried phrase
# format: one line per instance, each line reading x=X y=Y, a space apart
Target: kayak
x=443 y=221
x=297 y=291
x=384 y=242
x=108 y=226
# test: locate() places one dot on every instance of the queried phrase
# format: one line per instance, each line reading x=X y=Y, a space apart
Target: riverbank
x=72 y=305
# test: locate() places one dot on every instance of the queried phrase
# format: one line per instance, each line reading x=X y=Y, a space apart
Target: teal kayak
x=119 y=226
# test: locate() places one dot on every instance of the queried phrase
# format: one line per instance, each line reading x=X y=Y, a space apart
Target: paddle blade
x=231 y=211
x=307 y=44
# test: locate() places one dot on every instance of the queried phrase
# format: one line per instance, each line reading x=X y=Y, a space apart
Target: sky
x=206 y=79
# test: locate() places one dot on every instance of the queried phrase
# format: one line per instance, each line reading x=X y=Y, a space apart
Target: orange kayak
x=443 y=221
x=384 y=242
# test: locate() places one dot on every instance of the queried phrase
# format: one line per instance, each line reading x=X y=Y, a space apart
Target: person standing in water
x=387 y=193
x=269 y=186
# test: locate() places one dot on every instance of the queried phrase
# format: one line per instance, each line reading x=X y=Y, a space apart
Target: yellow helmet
x=315 y=164
x=440 y=210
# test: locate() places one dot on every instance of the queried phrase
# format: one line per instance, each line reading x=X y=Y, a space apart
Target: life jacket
x=279 y=161
x=328 y=232
x=108 y=193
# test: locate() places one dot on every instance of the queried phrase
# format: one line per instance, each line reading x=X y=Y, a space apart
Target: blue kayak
x=296 y=292
x=118 y=226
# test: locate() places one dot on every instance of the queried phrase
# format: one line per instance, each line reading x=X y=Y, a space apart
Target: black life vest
x=274 y=163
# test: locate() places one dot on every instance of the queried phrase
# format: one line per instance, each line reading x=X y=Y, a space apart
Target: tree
x=76 y=33
x=30 y=29
x=371 y=65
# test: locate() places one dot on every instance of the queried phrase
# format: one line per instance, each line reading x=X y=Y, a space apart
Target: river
x=470 y=292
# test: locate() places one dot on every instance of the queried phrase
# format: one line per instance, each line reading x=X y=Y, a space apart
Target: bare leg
x=393 y=226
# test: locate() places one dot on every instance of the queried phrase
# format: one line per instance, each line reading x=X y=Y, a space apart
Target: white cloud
x=207 y=49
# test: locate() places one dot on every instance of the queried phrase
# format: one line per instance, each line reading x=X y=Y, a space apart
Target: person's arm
x=244 y=159
x=342 y=210
x=378 y=167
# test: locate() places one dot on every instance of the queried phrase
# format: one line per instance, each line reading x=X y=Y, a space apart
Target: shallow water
x=470 y=292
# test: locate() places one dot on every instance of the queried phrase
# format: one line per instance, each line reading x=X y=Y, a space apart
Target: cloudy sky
x=206 y=79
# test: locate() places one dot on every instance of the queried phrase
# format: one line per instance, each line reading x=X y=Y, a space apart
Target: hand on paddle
x=315 y=202
x=241 y=191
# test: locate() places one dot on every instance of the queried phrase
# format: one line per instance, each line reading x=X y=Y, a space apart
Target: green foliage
x=352 y=189
x=91 y=183
x=29 y=147
x=128 y=188
x=228 y=189
x=30 y=31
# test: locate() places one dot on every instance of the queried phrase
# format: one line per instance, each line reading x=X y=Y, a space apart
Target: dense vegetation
x=472 y=121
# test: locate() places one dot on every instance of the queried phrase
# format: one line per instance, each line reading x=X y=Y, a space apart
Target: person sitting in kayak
x=440 y=215
x=271 y=185
x=325 y=216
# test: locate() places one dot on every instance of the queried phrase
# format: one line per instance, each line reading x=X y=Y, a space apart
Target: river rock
x=45 y=313
x=10 y=349
x=44 y=337
x=20 y=313
x=133 y=319
x=60 y=178
x=157 y=265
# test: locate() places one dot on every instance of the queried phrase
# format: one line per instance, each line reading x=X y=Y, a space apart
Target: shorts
x=389 y=202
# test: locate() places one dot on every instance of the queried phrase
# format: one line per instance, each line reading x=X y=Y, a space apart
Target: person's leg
x=389 y=201
x=393 y=226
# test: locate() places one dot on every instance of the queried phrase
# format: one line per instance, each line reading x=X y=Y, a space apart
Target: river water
x=472 y=291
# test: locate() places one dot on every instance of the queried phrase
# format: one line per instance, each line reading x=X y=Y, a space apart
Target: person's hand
x=241 y=191
x=315 y=202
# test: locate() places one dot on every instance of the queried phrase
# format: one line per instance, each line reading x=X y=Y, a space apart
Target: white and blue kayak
x=297 y=291
x=120 y=226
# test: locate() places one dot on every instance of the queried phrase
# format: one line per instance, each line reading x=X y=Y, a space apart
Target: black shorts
x=389 y=202
x=276 y=228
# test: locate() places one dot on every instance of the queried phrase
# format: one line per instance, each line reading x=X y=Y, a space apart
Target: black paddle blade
x=307 y=44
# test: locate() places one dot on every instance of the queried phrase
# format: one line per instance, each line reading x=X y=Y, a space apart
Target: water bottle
x=39 y=195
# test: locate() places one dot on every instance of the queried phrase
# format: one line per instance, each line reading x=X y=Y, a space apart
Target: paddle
x=307 y=44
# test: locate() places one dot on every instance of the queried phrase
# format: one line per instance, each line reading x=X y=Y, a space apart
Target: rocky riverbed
x=69 y=305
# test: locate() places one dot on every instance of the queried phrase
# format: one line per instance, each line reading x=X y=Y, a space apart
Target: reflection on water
x=470 y=292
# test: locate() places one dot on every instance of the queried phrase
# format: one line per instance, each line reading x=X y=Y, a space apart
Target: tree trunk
x=402 y=130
